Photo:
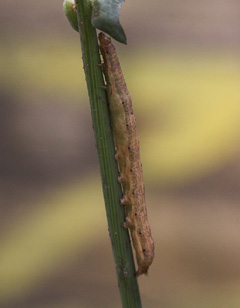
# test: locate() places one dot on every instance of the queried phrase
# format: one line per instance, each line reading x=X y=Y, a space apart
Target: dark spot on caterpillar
x=127 y=125
x=123 y=103
x=129 y=148
x=140 y=232
x=144 y=250
x=135 y=214
x=130 y=170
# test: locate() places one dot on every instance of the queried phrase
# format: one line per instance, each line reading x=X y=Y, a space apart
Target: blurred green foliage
x=38 y=245
x=191 y=114
x=188 y=117
x=187 y=104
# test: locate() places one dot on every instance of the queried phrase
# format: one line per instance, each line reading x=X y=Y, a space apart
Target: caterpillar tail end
x=141 y=271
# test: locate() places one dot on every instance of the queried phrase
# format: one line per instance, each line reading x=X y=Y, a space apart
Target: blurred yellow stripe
x=64 y=223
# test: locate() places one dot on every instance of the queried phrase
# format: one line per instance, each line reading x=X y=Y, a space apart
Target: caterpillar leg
x=122 y=179
x=142 y=270
x=124 y=200
x=128 y=223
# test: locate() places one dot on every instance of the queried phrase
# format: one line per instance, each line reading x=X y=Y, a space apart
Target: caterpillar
x=128 y=156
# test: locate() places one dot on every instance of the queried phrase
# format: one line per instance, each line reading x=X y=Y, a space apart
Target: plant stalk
x=119 y=236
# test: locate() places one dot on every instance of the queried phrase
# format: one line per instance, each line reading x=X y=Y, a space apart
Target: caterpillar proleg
x=128 y=156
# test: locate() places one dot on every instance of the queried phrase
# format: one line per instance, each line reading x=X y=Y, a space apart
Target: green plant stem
x=121 y=246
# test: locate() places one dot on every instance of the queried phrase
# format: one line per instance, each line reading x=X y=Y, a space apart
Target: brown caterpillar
x=128 y=156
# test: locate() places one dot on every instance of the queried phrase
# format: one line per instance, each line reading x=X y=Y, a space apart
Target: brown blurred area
x=182 y=69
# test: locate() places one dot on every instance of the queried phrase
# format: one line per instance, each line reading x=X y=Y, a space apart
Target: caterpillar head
x=104 y=40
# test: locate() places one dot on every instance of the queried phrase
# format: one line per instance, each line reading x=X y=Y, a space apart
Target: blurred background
x=182 y=68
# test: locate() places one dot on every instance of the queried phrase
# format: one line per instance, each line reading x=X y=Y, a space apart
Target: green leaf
x=70 y=10
x=105 y=17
